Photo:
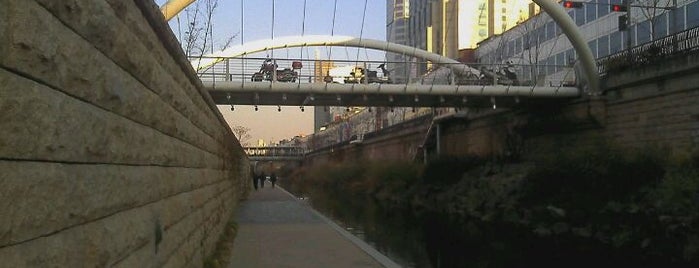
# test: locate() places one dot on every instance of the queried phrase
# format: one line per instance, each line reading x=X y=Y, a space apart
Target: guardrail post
x=229 y=76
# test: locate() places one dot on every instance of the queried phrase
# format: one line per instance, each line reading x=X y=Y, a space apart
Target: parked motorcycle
x=268 y=68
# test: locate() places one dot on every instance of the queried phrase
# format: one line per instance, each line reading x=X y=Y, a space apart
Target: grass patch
x=224 y=247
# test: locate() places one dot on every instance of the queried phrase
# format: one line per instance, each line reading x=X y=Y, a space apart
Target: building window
x=631 y=34
x=693 y=15
x=643 y=32
x=677 y=20
x=527 y=72
x=550 y=30
x=602 y=8
x=615 y=42
x=579 y=16
x=660 y=26
x=590 y=13
x=593 y=46
x=550 y=65
x=541 y=32
x=603 y=46
x=560 y=62
x=570 y=57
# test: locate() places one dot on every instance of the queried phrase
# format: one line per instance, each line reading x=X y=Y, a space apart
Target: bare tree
x=243 y=134
x=531 y=52
x=198 y=36
x=652 y=10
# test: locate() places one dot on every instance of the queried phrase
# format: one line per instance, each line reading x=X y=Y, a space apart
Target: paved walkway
x=277 y=230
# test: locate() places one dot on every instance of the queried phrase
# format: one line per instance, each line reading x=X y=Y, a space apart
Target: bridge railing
x=252 y=69
x=681 y=43
x=274 y=151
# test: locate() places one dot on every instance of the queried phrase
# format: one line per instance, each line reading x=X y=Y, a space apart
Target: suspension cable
x=332 y=30
x=303 y=30
x=273 y=19
x=242 y=38
x=361 y=33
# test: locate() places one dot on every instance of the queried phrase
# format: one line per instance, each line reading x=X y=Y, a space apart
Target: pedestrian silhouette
x=273 y=179
x=262 y=180
x=255 y=178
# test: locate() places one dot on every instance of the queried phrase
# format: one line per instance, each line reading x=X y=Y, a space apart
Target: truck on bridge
x=357 y=75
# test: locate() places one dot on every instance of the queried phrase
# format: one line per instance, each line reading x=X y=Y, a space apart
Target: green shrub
x=591 y=177
x=448 y=170
x=678 y=193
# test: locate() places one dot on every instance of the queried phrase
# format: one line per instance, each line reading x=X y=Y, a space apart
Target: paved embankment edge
x=368 y=249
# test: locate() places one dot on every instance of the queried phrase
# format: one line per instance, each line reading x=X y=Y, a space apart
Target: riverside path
x=277 y=230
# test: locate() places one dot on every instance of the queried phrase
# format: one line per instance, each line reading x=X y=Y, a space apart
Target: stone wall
x=111 y=154
x=657 y=113
x=399 y=142
x=638 y=116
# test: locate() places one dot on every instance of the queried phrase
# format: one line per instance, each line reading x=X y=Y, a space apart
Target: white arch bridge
x=230 y=91
x=229 y=82
x=239 y=92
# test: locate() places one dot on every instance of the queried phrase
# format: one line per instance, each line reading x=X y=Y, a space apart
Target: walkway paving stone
x=277 y=230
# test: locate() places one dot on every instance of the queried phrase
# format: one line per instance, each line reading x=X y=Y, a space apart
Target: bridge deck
x=321 y=94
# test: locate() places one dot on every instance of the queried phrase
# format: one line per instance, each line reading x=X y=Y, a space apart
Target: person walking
x=255 y=177
x=273 y=179
x=262 y=180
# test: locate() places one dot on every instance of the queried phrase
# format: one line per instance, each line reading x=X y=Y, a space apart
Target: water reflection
x=422 y=239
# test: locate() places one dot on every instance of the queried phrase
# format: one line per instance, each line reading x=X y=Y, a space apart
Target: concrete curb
x=378 y=256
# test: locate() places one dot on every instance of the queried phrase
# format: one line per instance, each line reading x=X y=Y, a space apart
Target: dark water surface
x=422 y=239
x=397 y=234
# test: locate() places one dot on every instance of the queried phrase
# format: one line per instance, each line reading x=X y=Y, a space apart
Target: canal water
x=423 y=239
x=409 y=238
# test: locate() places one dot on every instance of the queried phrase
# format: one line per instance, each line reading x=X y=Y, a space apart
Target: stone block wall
x=111 y=154
x=653 y=114
x=666 y=119
x=399 y=143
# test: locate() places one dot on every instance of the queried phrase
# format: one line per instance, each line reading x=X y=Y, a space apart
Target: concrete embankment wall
x=654 y=106
x=644 y=107
x=397 y=143
x=110 y=152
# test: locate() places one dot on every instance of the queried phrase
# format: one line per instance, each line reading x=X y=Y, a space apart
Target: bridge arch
x=551 y=7
x=571 y=30
x=329 y=40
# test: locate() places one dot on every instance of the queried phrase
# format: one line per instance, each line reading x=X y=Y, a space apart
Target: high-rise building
x=447 y=26
x=544 y=54
x=397 y=15
x=481 y=19
x=321 y=68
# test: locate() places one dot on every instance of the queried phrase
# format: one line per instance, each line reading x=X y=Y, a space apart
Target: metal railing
x=680 y=43
x=273 y=151
x=250 y=69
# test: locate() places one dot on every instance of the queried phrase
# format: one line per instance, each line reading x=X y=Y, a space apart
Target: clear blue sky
x=267 y=123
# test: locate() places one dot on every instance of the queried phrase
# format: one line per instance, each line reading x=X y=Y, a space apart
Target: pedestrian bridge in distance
x=275 y=153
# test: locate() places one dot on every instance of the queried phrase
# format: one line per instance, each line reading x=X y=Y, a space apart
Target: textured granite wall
x=111 y=154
